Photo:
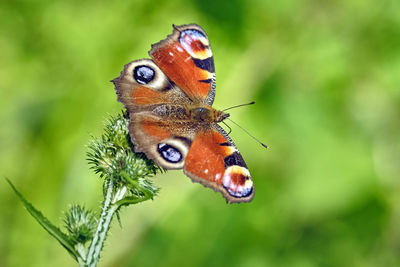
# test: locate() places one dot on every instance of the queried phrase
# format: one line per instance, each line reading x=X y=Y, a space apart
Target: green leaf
x=46 y=224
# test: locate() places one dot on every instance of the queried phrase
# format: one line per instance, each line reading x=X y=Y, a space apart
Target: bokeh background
x=325 y=76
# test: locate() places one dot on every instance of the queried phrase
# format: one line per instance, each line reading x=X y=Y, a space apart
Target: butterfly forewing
x=186 y=58
x=214 y=161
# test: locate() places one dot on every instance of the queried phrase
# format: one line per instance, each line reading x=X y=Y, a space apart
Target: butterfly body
x=190 y=113
x=169 y=99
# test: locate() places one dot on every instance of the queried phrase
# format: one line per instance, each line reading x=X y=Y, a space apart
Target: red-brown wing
x=214 y=161
x=186 y=58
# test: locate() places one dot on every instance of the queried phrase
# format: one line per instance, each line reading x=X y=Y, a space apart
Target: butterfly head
x=220 y=115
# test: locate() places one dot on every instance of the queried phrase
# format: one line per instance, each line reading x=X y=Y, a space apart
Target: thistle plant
x=126 y=181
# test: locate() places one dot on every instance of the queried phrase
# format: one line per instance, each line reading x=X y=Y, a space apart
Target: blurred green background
x=325 y=76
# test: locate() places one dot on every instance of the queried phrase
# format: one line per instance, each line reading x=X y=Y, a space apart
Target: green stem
x=80 y=248
x=103 y=226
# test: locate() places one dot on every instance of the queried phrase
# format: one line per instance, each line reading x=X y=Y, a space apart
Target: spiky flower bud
x=80 y=223
x=112 y=155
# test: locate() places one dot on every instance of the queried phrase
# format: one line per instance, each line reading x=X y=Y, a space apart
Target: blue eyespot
x=143 y=74
x=169 y=153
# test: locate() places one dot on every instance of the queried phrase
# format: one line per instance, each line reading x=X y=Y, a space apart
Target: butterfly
x=169 y=101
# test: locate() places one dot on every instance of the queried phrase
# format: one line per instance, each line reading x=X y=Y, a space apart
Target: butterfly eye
x=143 y=74
x=169 y=153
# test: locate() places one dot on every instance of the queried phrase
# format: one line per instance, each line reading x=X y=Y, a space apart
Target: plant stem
x=103 y=226
x=80 y=248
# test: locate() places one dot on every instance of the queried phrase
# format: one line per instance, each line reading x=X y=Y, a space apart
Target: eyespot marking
x=169 y=153
x=193 y=39
x=237 y=182
x=195 y=43
x=143 y=74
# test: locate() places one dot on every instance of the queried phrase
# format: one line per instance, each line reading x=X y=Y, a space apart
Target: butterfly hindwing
x=186 y=58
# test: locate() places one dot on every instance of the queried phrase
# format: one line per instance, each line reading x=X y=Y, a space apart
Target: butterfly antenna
x=252 y=136
x=241 y=105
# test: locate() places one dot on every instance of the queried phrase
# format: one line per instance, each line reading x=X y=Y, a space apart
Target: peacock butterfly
x=169 y=100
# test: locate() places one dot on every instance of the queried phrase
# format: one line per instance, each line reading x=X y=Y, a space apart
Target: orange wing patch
x=206 y=157
x=178 y=65
x=156 y=129
x=144 y=96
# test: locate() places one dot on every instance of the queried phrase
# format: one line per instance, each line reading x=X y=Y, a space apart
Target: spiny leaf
x=46 y=224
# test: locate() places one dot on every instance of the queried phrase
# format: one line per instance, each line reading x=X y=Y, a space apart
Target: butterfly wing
x=148 y=94
x=186 y=58
x=142 y=84
x=214 y=161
